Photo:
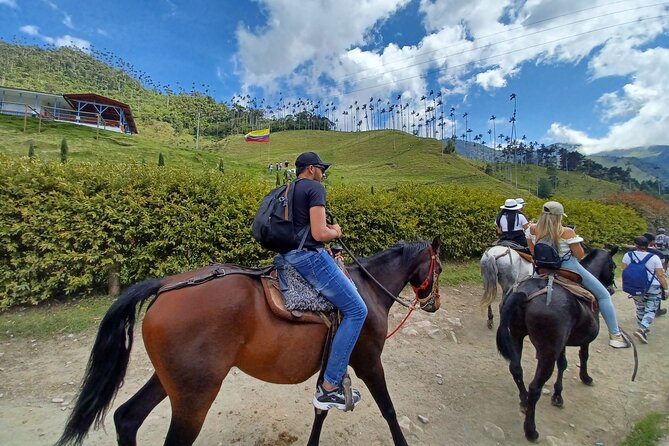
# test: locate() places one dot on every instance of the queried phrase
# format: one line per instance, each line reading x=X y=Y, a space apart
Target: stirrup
x=348 y=394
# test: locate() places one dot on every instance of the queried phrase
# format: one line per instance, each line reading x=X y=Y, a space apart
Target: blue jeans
x=593 y=285
x=320 y=270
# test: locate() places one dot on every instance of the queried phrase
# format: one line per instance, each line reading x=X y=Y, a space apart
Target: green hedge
x=63 y=226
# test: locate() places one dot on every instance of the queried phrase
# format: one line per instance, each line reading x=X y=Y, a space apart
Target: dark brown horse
x=194 y=335
x=565 y=321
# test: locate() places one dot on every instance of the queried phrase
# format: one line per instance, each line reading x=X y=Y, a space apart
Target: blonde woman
x=570 y=248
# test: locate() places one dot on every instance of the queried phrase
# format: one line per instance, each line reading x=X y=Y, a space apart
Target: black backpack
x=546 y=254
x=273 y=225
x=635 y=276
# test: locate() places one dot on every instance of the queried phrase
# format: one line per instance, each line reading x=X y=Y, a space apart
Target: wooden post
x=39 y=128
x=25 y=118
x=113 y=284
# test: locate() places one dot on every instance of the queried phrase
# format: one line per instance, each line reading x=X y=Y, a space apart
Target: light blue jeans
x=593 y=285
x=320 y=270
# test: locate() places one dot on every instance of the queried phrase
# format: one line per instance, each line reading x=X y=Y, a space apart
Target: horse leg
x=556 y=399
x=583 y=355
x=130 y=416
x=375 y=380
x=319 y=418
x=516 y=370
x=490 y=317
x=545 y=367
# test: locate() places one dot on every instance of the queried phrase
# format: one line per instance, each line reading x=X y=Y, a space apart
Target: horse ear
x=613 y=251
x=436 y=243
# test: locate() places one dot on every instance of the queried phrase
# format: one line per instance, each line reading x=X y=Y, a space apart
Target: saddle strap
x=569 y=285
x=196 y=280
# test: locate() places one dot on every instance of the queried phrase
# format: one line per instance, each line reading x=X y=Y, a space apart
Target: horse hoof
x=532 y=436
x=557 y=402
x=490 y=324
x=587 y=381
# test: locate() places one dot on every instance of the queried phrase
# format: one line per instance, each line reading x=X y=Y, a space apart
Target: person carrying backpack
x=511 y=222
x=570 y=250
x=643 y=276
x=662 y=245
x=318 y=268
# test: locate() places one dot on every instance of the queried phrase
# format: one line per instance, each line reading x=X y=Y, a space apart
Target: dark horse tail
x=108 y=362
x=504 y=343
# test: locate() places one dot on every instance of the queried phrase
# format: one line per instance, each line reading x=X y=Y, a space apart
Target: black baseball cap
x=311 y=159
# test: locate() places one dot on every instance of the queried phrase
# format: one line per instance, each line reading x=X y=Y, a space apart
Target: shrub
x=63 y=226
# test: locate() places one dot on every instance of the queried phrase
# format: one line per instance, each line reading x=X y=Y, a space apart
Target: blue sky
x=594 y=73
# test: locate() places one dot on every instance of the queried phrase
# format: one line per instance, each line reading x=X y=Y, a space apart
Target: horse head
x=601 y=264
x=425 y=279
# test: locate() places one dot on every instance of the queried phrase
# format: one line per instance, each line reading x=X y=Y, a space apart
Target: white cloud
x=65 y=40
x=468 y=43
x=31 y=30
x=67 y=21
x=642 y=104
x=51 y=4
x=10 y=3
x=102 y=32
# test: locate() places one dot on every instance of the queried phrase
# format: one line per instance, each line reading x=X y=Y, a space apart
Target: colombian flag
x=257 y=136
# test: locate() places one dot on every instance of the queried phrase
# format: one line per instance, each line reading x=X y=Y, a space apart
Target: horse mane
x=590 y=257
x=408 y=251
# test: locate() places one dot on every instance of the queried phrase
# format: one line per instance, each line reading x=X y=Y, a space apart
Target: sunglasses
x=320 y=167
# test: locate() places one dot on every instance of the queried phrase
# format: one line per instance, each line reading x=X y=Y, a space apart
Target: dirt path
x=441 y=366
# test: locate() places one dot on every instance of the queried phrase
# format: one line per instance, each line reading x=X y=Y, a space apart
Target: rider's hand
x=335 y=227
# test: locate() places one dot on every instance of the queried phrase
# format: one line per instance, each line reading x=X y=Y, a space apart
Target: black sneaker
x=661 y=312
x=641 y=334
x=325 y=400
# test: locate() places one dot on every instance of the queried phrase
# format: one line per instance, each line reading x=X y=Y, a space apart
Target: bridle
x=429 y=300
x=425 y=302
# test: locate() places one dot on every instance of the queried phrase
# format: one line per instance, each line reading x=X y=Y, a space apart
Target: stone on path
x=494 y=431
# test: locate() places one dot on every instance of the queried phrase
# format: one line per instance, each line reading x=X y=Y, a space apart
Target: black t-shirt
x=308 y=193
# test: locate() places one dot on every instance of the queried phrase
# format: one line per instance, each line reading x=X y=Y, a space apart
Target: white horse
x=504 y=265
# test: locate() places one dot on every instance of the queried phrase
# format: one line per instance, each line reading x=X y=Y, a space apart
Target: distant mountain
x=646 y=163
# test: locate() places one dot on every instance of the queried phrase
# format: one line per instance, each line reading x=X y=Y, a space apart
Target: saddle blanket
x=297 y=292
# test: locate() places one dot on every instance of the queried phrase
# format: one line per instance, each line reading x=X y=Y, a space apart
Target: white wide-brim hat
x=511 y=205
x=520 y=201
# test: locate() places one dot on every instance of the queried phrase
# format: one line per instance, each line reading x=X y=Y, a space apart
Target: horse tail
x=504 y=343
x=107 y=364
x=489 y=273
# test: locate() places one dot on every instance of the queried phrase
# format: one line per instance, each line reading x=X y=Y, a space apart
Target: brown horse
x=194 y=335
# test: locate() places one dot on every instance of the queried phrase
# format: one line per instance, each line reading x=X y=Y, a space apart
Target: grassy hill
x=167 y=118
x=382 y=158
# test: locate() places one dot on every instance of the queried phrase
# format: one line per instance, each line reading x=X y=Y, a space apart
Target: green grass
x=457 y=273
x=53 y=319
x=382 y=158
x=648 y=431
x=571 y=184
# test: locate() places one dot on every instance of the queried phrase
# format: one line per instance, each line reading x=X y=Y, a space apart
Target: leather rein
x=423 y=301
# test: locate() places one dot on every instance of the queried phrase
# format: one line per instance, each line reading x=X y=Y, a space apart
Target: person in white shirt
x=646 y=304
x=511 y=223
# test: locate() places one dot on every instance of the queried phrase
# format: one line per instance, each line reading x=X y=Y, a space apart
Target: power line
x=495 y=43
x=506 y=31
x=482 y=59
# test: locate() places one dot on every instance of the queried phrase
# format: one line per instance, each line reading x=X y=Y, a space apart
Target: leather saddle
x=276 y=303
x=524 y=253
x=270 y=285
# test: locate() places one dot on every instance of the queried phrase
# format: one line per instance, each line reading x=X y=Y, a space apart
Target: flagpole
x=269 y=141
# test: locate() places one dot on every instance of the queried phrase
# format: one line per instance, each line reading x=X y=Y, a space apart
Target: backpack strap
x=643 y=262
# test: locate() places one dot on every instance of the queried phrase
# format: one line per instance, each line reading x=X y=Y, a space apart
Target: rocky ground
x=448 y=383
